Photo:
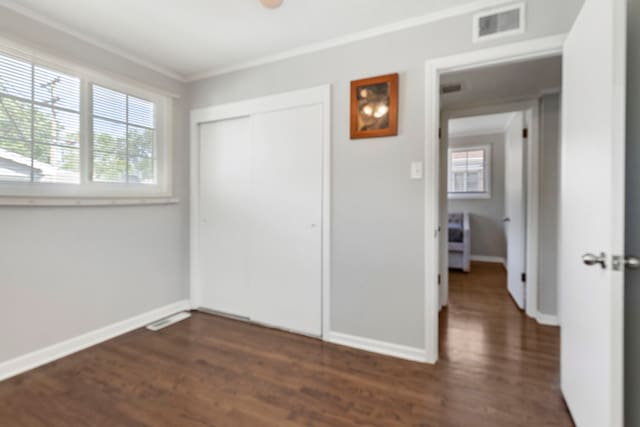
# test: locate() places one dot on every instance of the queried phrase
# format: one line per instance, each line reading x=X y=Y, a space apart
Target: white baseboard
x=547 y=319
x=492 y=259
x=46 y=355
x=375 y=346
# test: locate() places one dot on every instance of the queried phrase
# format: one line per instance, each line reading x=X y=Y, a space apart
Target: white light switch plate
x=416 y=170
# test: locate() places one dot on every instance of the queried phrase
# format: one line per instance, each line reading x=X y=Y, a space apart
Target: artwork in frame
x=374 y=107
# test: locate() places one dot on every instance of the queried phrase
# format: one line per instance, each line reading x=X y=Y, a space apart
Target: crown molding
x=351 y=38
x=92 y=41
x=551 y=91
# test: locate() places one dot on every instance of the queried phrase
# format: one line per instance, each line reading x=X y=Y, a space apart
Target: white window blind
x=469 y=171
x=39 y=124
x=71 y=135
x=124 y=134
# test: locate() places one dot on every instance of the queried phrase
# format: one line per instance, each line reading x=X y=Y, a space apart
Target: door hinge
x=525 y=133
x=440 y=133
x=439 y=279
x=524 y=277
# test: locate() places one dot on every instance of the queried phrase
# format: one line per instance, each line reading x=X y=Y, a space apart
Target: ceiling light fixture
x=271 y=4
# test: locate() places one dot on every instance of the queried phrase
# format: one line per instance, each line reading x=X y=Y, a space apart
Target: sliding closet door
x=285 y=253
x=225 y=211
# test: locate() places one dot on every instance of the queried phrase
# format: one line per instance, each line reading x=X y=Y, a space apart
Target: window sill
x=71 y=201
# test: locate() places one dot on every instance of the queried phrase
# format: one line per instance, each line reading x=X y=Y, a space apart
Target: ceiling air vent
x=450 y=88
x=500 y=22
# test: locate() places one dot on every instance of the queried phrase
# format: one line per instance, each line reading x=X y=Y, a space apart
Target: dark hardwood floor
x=497 y=368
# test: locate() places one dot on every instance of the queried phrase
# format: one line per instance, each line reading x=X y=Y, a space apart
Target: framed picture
x=374 y=107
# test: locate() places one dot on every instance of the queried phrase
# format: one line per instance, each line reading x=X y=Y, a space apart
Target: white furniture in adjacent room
x=459 y=232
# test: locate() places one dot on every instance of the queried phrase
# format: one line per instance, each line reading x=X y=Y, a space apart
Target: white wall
x=488 y=236
x=378 y=230
x=67 y=271
x=632 y=232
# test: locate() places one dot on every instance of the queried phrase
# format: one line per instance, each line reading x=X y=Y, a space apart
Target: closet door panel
x=225 y=209
x=285 y=251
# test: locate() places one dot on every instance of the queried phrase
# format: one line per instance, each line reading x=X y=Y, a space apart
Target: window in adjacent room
x=469 y=172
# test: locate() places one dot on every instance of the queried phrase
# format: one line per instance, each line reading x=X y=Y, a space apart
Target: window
x=75 y=134
x=123 y=138
x=469 y=172
x=39 y=124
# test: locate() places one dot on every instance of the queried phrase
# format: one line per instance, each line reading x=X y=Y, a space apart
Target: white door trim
x=320 y=95
x=531 y=49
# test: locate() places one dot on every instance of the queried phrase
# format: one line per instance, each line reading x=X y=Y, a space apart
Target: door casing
x=531 y=108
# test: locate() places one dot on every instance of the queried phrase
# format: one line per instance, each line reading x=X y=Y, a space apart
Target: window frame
x=159 y=138
x=34 y=193
x=469 y=195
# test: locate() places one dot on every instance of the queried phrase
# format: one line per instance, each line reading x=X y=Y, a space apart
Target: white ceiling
x=192 y=38
x=479 y=125
x=519 y=80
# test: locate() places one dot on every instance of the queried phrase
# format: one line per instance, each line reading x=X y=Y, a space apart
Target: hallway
x=484 y=336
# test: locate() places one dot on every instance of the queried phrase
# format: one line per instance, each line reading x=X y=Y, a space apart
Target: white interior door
x=592 y=214
x=225 y=207
x=286 y=236
x=515 y=216
x=443 y=241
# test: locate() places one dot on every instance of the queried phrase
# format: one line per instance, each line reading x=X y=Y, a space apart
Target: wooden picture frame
x=374 y=107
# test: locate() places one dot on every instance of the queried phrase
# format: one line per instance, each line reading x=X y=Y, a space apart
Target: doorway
x=484 y=195
x=591 y=258
x=499 y=175
x=493 y=96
